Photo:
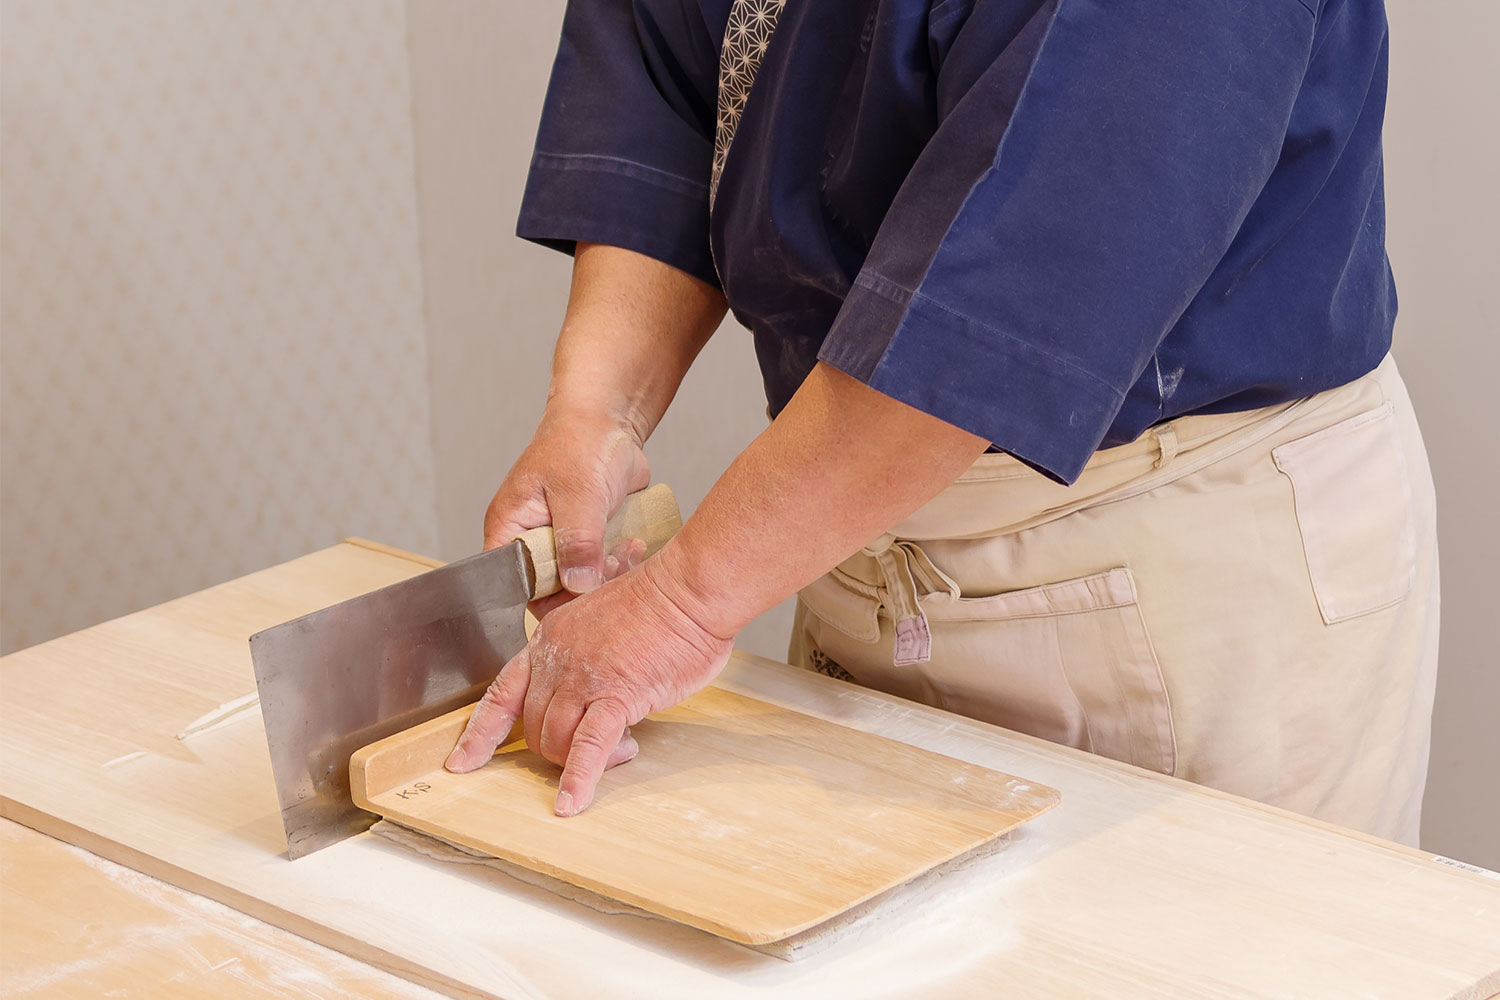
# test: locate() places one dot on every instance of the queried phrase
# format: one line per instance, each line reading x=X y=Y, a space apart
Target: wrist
x=593 y=405
x=668 y=575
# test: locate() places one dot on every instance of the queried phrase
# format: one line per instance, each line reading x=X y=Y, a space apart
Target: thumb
x=578 y=532
x=627 y=554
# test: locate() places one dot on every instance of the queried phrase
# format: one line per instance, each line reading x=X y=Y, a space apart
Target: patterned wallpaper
x=212 y=352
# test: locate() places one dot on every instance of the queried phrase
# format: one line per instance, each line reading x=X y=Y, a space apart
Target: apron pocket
x=851 y=607
x=1353 y=503
x=1070 y=662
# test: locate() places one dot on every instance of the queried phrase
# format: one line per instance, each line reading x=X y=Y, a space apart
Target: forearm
x=840 y=465
x=632 y=328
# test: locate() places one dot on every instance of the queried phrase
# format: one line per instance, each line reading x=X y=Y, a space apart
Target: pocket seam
x=1118 y=583
x=1290 y=459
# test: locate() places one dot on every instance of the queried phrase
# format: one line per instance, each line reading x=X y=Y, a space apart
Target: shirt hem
x=1024 y=400
x=600 y=199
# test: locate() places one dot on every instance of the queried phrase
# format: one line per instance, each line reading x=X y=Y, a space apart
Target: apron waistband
x=999 y=495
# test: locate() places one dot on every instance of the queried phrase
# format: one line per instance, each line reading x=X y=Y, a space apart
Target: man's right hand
x=632 y=328
x=574 y=474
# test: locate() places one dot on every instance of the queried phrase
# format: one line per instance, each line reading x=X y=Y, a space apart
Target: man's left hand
x=594 y=667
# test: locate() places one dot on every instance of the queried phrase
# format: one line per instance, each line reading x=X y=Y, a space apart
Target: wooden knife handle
x=650 y=515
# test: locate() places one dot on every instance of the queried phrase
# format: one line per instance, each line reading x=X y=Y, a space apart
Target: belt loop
x=1166 y=443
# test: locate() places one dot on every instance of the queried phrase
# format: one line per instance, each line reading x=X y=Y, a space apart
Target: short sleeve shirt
x=1053 y=223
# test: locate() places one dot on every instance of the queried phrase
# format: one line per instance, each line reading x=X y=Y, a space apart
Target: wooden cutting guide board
x=745 y=819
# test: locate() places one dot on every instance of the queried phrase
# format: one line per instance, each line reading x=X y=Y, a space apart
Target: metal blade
x=338 y=679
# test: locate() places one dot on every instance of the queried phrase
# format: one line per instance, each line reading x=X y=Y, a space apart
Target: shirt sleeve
x=1079 y=190
x=625 y=144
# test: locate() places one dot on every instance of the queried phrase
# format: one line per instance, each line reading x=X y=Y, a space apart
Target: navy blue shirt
x=1053 y=224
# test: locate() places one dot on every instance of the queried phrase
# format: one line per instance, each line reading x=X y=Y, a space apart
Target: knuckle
x=494 y=695
x=501 y=695
x=598 y=733
x=591 y=740
x=487 y=716
x=608 y=712
x=580 y=491
x=512 y=681
x=516 y=506
x=574 y=541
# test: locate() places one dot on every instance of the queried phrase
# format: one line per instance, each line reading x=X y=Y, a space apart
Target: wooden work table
x=76 y=925
x=1135 y=886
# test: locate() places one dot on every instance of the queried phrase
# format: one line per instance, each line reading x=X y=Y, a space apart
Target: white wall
x=212 y=355
x=1444 y=237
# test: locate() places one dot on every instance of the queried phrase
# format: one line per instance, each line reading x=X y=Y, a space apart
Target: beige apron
x=1246 y=600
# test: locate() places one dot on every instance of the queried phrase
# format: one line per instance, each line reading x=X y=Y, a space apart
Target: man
x=1073 y=318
